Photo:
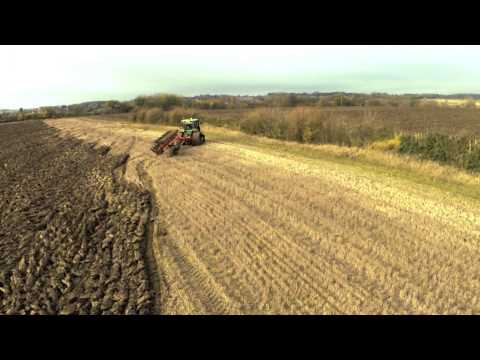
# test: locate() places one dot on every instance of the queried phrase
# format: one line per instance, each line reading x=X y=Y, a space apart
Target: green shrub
x=463 y=152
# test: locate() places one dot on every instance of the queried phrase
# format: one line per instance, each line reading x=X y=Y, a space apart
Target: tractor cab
x=190 y=125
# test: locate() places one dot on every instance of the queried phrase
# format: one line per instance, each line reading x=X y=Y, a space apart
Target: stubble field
x=245 y=229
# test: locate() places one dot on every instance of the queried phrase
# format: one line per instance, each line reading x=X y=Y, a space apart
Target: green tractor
x=189 y=134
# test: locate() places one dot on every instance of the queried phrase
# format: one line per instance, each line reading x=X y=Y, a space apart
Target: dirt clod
x=56 y=204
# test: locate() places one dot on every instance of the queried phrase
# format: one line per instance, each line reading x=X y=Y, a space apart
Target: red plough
x=171 y=140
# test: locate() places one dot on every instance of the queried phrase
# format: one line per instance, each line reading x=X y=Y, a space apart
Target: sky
x=41 y=75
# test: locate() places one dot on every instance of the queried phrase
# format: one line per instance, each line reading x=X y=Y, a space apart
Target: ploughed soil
x=73 y=233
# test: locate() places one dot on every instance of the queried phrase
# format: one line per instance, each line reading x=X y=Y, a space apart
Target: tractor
x=172 y=140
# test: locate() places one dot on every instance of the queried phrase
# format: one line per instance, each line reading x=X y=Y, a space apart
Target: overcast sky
x=33 y=76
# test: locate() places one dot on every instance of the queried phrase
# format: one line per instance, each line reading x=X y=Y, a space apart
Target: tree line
x=341 y=99
x=83 y=109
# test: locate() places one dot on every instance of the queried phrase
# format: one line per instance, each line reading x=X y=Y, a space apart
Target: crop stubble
x=253 y=232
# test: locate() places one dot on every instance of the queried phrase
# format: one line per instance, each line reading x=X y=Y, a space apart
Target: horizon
x=36 y=76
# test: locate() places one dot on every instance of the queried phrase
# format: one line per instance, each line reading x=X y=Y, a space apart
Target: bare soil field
x=244 y=229
x=72 y=233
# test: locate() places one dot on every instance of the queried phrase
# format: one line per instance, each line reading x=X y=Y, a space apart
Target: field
x=455 y=102
x=72 y=232
x=247 y=225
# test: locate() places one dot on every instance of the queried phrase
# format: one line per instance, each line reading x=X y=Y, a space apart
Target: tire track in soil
x=204 y=297
x=205 y=294
x=153 y=271
x=280 y=265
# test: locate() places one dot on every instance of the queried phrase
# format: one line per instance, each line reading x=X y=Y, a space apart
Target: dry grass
x=454 y=102
x=374 y=157
x=257 y=225
x=386 y=145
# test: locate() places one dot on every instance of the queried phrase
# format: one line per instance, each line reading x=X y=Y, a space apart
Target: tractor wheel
x=197 y=139
x=174 y=149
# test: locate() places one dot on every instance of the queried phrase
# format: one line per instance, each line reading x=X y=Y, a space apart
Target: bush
x=463 y=152
x=471 y=161
x=470 y=104
x=374 y=102
x=160 y=116
x=163 y=101
x=311 y=125
x=154 y=115
x=408 y=145
x=391 y=144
